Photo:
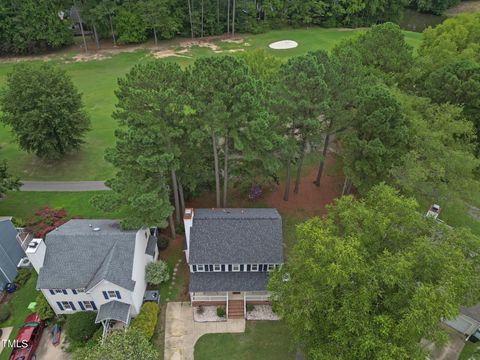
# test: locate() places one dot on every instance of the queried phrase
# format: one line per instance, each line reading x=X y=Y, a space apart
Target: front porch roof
x=228 y=281
x=113 y=310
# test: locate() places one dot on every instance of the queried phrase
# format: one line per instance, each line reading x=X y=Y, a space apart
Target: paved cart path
x=63 y=186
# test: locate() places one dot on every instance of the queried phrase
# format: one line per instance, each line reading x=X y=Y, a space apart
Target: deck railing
x=209 y=297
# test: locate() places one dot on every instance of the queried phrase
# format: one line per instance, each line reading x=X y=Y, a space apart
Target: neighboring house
x=468 y=322
x=229 y=253
x=11 y=251
x=94 y=265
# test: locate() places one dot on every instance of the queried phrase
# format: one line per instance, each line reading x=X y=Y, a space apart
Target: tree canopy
x=373 y=278
x=44 y=110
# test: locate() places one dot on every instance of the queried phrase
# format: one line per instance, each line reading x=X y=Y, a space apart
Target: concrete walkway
x=5 y=336
x=63 y=186
x=181 y=332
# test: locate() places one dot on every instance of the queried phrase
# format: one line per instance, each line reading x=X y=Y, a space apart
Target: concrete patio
x=181 y=332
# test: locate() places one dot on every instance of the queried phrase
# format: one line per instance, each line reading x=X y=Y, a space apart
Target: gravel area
x=209 y=314
x=262 y=312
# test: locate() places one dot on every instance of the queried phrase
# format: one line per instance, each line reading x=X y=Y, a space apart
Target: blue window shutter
x=59 y=304
x=81 y=305
x=118 y=294
x=73 y=306
x=74 y=291
x=94 y=306
x=105 y=295
x=52 y=292
x=65 y=291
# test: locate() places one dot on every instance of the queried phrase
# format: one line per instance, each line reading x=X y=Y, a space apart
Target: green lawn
x=97 y=80
x=471 y=351
x=23 y=204
x=262 y=340
x=19 y=303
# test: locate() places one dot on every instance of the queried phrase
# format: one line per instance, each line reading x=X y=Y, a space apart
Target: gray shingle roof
x=228 y=281
x=236 y=236
x=10 y=251
x=472 y=311
x=79 y=257
x=114 y=310
x=151 y=245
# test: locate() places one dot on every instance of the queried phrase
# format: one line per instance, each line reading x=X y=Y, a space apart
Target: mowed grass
x=262 y=340
x=97 y=81
x=22 y=205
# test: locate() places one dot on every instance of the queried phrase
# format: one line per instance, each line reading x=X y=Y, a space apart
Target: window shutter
x=194 y=267
x=118 y=294
x=248 y=267
x=81 y=305
x=73 y=306
x=52 y=292
x=59 y=304
x=93 y=305
x=229 y=267
x=74 y=291
x=65 y=291
x=105 y=295
x=223 y=267
x=211 y=267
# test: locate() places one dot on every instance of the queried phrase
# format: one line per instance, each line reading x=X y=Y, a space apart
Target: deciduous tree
x=44 y=110
x=374 y=278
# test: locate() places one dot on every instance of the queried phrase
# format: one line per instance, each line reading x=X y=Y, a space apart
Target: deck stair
x=236 y=309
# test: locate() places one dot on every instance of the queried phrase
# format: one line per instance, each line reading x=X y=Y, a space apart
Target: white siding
x=140 y=260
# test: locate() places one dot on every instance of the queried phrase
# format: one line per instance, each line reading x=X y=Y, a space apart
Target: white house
x=94 y=265
x=229 y=253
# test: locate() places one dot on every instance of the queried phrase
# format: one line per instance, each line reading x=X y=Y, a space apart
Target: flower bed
x=262 y=312
x=208 y=314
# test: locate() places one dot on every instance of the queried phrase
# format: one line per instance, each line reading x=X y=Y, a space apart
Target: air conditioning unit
x=24 y=263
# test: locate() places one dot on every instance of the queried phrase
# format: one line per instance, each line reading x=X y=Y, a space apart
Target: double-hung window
x=254 y=267
x=88 y=305
x=236 y=267
x=111 y=294
x=271 y=267
x=200 y=268
x=67 y=305
x=217 y=267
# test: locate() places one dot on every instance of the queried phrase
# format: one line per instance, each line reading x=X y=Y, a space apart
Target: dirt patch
x=234 y=40
x=311 y=200
x=200 y=43
x=228 y=51
x=90 y=57
x=167 y=53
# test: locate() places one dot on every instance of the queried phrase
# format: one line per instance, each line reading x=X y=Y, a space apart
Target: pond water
x=415 y=21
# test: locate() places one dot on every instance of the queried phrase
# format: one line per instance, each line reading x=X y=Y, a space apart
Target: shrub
x=220 y=311
x=146 y=320
x=22 y=277
x=200 y=310
x=250 y=307
x=162 y=242
x=43 y=308
x=157 y=272
x=4 y=312
x=80 y=326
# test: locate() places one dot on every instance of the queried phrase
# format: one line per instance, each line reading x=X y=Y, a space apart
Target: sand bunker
x=284 y=44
